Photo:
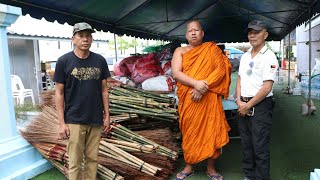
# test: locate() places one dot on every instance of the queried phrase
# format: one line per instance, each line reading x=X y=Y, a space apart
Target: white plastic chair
x=18 y=90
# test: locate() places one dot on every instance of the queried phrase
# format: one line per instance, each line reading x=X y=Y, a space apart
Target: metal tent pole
x=289 y=47
x=115 y=47
x=280 y=51
x=309 y=94
x=135 y=46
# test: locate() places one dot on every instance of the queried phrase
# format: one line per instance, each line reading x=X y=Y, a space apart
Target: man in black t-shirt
x=82 y=102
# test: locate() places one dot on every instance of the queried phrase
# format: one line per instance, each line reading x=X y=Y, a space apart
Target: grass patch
x=51 y=174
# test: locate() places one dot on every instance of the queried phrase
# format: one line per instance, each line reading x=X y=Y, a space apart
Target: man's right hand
x=64 y=131
x=196 y=96
x=201 y=86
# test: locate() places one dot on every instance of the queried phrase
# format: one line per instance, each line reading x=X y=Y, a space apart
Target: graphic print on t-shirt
x=86 y=73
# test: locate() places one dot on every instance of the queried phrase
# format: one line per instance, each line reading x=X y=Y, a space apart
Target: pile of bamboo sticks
x=126 y=99
x=122 y=152
x=121 y=133
x=137 y=156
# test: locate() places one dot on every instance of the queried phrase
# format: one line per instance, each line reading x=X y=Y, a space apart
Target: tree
x=123 y=44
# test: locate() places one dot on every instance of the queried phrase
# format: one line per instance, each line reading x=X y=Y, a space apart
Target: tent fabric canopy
x=222 y=20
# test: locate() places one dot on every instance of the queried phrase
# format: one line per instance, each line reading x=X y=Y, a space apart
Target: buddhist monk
x=203 y=75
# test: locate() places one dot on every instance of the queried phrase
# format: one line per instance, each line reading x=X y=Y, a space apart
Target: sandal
x=183 y=175
x=214 y=177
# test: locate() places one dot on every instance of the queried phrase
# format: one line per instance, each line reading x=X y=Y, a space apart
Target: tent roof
x=222 y=20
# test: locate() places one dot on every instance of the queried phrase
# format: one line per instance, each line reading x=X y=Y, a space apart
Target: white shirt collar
x=262 y=50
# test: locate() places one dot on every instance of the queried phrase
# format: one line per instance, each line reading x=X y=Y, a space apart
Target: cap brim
x=90 y=30
x=256 y=28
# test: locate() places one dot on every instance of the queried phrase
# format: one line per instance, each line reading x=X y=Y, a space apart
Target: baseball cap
x=256 y=25
x=82 y=26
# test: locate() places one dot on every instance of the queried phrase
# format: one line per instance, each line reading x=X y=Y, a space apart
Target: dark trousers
x=255 y=140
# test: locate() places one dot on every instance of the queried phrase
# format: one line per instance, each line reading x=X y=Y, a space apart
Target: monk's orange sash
x=203 y=124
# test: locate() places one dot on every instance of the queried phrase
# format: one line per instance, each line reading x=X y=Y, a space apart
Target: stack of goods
x=315 y=81
x=126 y=99
x=148 y=154
x=151 y=72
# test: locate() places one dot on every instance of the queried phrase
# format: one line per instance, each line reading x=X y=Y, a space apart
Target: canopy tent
x=222 y=20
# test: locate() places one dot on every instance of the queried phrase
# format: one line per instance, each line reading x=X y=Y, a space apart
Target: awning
x=222 y=20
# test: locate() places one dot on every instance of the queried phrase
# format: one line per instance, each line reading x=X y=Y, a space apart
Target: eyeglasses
x=249 y=71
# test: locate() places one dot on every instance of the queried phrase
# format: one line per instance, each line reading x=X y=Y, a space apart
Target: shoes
x=183 y=175
x=214 y=177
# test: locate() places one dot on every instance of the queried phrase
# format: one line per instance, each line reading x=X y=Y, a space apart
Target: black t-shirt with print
x=82 y=87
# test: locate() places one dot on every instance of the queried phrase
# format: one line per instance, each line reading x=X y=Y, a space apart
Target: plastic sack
x=159 y=83
x=146 y=68
x=166 y=67
x=124 y=67
x=316 y=67
x=125 y=80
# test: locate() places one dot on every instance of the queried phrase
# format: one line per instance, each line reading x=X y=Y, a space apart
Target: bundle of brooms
x=128 y=154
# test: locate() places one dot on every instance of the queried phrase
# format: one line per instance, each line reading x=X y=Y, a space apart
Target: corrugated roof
x=28 y=26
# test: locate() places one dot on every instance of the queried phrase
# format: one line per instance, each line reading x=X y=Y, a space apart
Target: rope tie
x=140 y=147
x=141 y=166
x=115 y=177
x=145 y=102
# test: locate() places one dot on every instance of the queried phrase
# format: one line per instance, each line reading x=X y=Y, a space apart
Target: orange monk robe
x=203 y=124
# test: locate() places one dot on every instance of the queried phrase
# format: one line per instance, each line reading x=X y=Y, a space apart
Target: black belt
x=247 y=99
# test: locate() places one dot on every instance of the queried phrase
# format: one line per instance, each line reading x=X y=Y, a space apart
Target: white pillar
x=8 y=15
x=18 y=159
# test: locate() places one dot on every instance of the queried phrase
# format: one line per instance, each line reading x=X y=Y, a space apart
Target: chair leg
x=21 y=100
x=32 y=98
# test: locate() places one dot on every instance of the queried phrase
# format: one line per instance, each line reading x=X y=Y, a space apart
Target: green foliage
x=149 y=49
x=269 y=47
x=123 y=44
x=27 y=107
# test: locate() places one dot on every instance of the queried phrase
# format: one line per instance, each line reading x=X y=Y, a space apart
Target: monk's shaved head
x=194 y=33
x=194 y=21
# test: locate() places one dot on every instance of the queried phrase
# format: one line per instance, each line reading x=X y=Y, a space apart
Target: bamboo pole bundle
x=144 y=93
x=126 y=104
x=109 y=150
x=122 y=117
x=146 y=102
x=120 y=132
x=106 y=173
x=124 y=169
x=132 y=147
x=147 y=125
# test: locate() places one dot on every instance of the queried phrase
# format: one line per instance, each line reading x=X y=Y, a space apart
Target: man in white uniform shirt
x=256 y=75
